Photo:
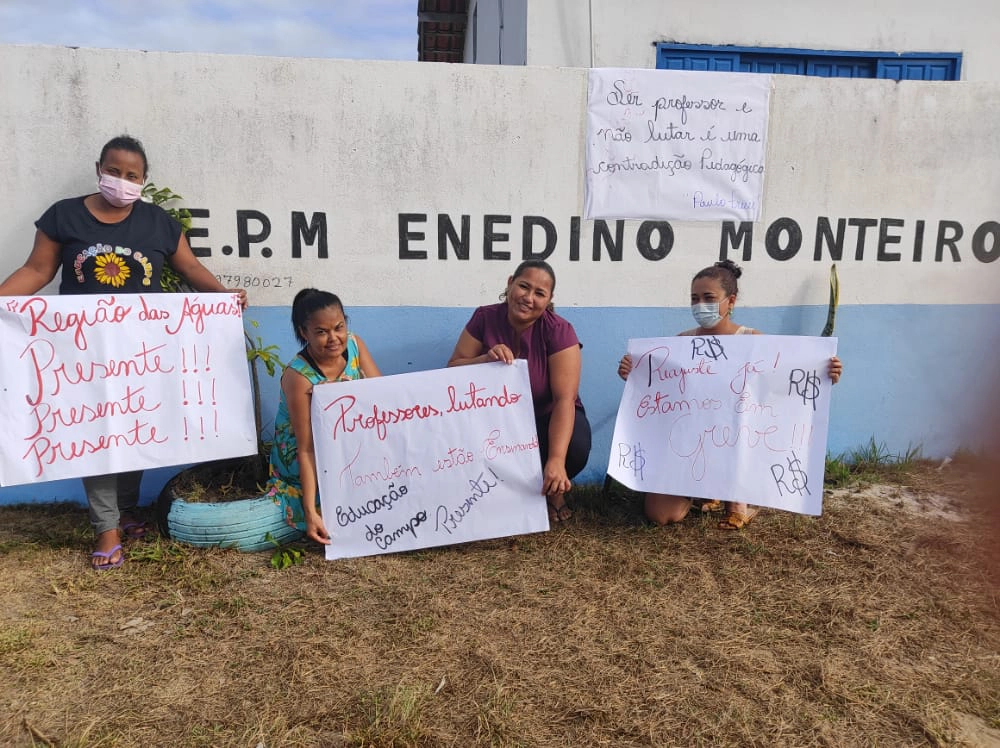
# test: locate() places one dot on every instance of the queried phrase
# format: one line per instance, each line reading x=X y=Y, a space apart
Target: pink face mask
x=119 y=192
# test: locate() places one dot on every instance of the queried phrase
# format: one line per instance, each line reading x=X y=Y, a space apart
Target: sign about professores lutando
x=97 y=384
x=732 y=417
x=427 y=458
x=675 y=144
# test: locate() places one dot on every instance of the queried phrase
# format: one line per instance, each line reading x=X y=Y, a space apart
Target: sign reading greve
x=675 y=144
x=732 y=417
x=104 y=384
x=427 y=458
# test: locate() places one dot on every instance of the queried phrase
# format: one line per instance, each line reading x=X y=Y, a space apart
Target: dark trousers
x=579 y=443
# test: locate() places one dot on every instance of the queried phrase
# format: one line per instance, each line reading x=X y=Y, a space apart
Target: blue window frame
x=921 y=66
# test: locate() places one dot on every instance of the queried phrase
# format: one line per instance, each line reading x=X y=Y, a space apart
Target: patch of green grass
x=867 y=463
x=837 y=472
x=14 y=639
x=493 y=717
x=391 y=717
x=158 y=550
x=234 y=606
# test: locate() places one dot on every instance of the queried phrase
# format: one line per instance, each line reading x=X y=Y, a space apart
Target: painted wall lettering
x=542 y=237
x=254 y=227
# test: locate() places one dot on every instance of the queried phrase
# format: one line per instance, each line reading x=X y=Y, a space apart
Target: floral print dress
x=284 y=485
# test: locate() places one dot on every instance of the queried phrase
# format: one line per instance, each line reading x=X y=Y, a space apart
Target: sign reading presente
x=675 y=144
x=104 y=384
x=732 y=417
x=428 y=458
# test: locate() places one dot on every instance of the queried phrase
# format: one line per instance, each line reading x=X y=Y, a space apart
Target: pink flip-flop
x=107 y=564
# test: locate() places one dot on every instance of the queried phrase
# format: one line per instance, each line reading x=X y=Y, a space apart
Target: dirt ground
x=875 y=624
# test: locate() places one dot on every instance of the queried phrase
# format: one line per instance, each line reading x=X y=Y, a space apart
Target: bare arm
x=365 y=360
x=199 y=276
x=468 y=350
x=564 y=379
x=40 y=268
x=298 y=396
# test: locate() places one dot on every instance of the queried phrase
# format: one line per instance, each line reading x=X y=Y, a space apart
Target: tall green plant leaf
x=831 y=314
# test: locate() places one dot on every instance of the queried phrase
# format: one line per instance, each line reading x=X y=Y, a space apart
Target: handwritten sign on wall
x=102 y=384
x=428 y=458
x=732 y=417
x=676 y=145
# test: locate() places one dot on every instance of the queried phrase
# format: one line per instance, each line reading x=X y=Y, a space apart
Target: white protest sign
x=104 y=384
x=674 y=144
x=429 y=458
x=732 y=417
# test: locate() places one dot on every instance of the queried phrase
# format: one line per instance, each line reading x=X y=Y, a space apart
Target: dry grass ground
x=874 y=625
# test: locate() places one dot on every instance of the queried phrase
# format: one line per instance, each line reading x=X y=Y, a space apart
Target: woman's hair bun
x=731 y=266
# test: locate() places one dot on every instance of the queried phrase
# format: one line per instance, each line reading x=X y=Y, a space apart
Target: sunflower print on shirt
x=111 y=265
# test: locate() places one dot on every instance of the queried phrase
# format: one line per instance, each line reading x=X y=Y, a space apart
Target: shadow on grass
x=56 y=525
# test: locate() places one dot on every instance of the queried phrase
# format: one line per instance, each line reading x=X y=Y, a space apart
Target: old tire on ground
x=243 y=524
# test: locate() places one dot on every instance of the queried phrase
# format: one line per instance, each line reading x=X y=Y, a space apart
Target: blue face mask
x=706 y=315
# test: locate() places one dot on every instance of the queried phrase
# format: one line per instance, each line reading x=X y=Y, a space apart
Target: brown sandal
x=560 y=513
x=738 y=520
x=710 y=505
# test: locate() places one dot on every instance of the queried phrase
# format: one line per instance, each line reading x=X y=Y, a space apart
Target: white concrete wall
x=559 y=31
x=387 y=152
x=382 y=149
x=497 y=32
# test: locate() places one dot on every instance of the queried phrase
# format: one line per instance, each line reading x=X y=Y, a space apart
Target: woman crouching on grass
x=523 y=325
x=713 y=296
x=329 y=354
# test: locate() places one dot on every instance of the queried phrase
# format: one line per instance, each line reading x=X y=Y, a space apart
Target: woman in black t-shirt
x=111 y=242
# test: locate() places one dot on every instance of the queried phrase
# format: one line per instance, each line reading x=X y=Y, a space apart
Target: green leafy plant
x=170 y=279
x=831 y=313
x=257 y=353
x=286 y=556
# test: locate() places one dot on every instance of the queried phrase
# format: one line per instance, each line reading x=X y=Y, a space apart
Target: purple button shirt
x=549 y=334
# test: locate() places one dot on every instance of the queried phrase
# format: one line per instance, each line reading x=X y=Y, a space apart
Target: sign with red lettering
x=103 y=384
x=731 y=417
x=428 y=458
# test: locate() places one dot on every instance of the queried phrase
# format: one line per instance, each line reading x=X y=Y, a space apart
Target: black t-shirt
x=123 y=257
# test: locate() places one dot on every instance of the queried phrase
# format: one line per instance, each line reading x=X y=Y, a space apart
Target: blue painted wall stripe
x=911 y=380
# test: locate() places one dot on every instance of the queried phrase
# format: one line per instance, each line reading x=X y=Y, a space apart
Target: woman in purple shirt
x=523 y=325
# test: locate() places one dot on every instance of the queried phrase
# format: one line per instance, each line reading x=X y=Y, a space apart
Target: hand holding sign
x=429 y=458
x=106 y=384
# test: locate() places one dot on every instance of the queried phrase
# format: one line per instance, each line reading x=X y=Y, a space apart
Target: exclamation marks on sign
x=197 y=395
x=194 y=360
x=201 y=427
x=215 y=412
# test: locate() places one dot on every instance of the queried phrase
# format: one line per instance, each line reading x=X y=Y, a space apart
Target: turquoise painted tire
x=243 y=524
